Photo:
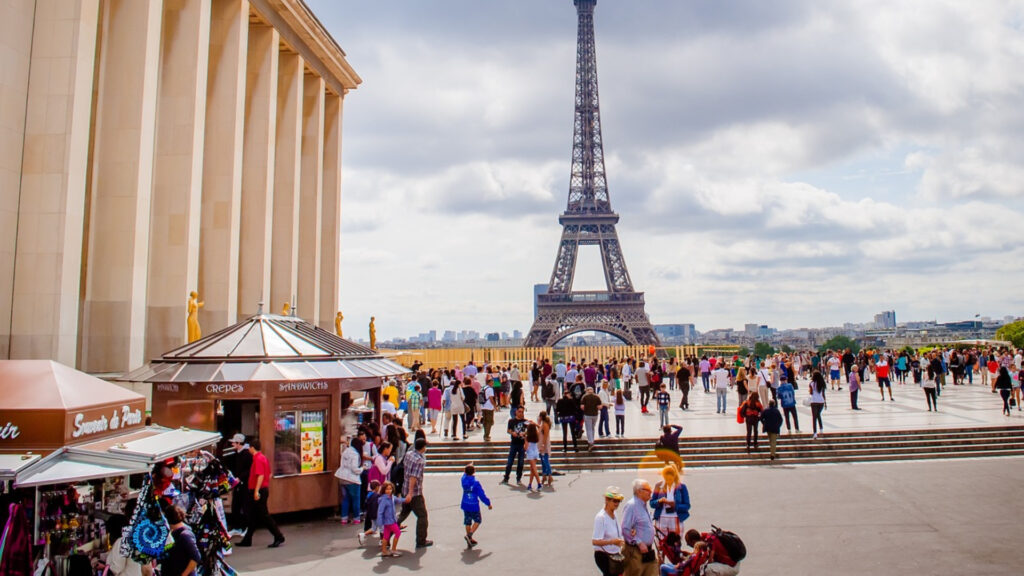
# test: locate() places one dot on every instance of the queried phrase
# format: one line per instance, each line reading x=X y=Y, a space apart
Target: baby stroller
x=670 y=547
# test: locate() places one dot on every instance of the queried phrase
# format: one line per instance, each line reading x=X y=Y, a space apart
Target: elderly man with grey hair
x=638 y=532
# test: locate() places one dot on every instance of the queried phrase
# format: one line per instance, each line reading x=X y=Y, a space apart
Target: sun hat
x=613 y=493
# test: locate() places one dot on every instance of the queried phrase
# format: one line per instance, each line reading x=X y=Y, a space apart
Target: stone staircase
x=622 y=454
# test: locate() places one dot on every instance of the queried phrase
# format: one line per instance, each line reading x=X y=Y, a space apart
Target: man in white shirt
x=720 y=377
x=570 y=374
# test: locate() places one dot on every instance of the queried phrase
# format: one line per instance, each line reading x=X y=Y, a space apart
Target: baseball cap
x=238 y=438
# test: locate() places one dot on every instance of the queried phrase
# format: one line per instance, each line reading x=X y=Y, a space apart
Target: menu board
x=312 y=439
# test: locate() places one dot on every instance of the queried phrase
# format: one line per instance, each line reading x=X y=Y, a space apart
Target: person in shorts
x=472 y=495
x=882 y=375
x=833 y=371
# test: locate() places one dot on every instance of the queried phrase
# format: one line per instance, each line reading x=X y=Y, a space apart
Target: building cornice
x=304 y=33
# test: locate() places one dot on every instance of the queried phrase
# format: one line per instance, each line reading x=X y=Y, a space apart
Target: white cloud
x=457 y=157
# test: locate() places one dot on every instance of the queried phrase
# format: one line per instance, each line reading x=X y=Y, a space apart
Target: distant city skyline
x=789 y=163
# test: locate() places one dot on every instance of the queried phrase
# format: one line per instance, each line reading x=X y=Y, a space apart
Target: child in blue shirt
x=472 y=495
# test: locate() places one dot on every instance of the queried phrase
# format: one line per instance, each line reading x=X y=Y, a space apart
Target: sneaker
x=425 y=544
x=361 y=537
x=276 y=543
x=344 y=521
x=815 y=437
x=504 y=482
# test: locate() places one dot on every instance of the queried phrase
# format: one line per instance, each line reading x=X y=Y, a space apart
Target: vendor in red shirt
x=259 y=492
x=707 y=551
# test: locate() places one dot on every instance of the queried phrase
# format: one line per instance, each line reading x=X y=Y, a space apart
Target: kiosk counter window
x=299 y=441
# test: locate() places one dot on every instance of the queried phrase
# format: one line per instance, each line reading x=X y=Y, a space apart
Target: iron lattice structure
x=589 y=220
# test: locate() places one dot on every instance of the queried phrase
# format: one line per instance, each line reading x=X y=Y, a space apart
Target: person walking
x=434 y=404
x=603 y=428
x=386 y=519
x=565 y=412
x=472 y=495
x=705 y=373
x=771 y=419
x=532 y=455
x=1004 y=384
x=751 y=412
x=591 y=406
x=854 y=383
x=931 y=384
x=415 y=462
x=817 y=402
x=620 y=414
x=544 y=426
x=720 y=376
x=259 y=493
x=457 y=409
x=638 y=533
x=487 y=410
x=240 y=464
x=664 y=400
x=607 y=540
x=517 y=446
x=349 y=481
x=683 y=377
x=644 y=385
x=183 y=557
x=670 y=501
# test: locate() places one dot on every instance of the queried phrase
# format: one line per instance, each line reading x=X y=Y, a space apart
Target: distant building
x=517 y=334
x=449 y=336
x=493 y=337
x=679 y=333
x=884 y=320
x=538 y=289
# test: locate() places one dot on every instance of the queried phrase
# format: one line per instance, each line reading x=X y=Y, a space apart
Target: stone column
x=330 y=229
x=54 y=183
x=222 y=166
x=114 y=318
x=178 y=173
x=258 y=169
x=16 y=37
x=310 y=197
x=287 y=173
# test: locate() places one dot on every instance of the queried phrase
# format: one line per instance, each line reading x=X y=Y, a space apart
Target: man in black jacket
x=565 y=412
x=239 y=464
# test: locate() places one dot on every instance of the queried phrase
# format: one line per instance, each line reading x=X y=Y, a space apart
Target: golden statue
x=337 y=323
x=192 y=321
x=287 y=308
x=373 y=334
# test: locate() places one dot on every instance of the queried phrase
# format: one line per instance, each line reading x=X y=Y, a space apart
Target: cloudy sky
x=794 y=163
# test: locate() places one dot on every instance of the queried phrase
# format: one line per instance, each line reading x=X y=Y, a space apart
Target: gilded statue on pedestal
x=373 y=334
x=192 y=319
x=337 y=323
x=287 y=308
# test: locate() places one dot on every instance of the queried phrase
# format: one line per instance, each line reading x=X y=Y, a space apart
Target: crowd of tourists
x=381 y=473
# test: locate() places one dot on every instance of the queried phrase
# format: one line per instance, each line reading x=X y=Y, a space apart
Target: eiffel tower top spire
x=588 y=220
x=588 y=188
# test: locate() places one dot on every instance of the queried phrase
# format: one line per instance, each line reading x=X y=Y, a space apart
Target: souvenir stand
x=74 y=451
x=280 y=379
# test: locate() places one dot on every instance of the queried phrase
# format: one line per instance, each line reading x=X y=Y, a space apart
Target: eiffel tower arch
x=589 y=220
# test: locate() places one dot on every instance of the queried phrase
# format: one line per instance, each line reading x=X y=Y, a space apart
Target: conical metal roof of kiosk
x=267 y=347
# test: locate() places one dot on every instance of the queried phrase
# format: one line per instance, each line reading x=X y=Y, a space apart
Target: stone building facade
x=149 y=148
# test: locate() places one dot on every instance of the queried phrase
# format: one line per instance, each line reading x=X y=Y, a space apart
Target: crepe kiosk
x=72 y=450
x=298 y=388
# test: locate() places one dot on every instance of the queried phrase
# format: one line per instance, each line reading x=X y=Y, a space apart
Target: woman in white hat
x=607 y=539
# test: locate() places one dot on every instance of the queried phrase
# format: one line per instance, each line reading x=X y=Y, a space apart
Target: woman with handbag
x=607 y=540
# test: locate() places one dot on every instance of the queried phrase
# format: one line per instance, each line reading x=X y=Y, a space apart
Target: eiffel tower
x=589 y=220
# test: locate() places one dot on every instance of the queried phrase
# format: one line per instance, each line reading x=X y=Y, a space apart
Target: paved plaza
x=922 y=517
x=925 y=517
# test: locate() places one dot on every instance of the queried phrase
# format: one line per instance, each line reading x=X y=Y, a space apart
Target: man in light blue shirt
x=638 y=532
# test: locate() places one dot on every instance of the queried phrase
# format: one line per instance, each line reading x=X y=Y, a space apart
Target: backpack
x=731 y=542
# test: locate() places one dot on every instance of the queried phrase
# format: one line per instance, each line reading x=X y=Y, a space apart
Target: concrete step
x=730 y=450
